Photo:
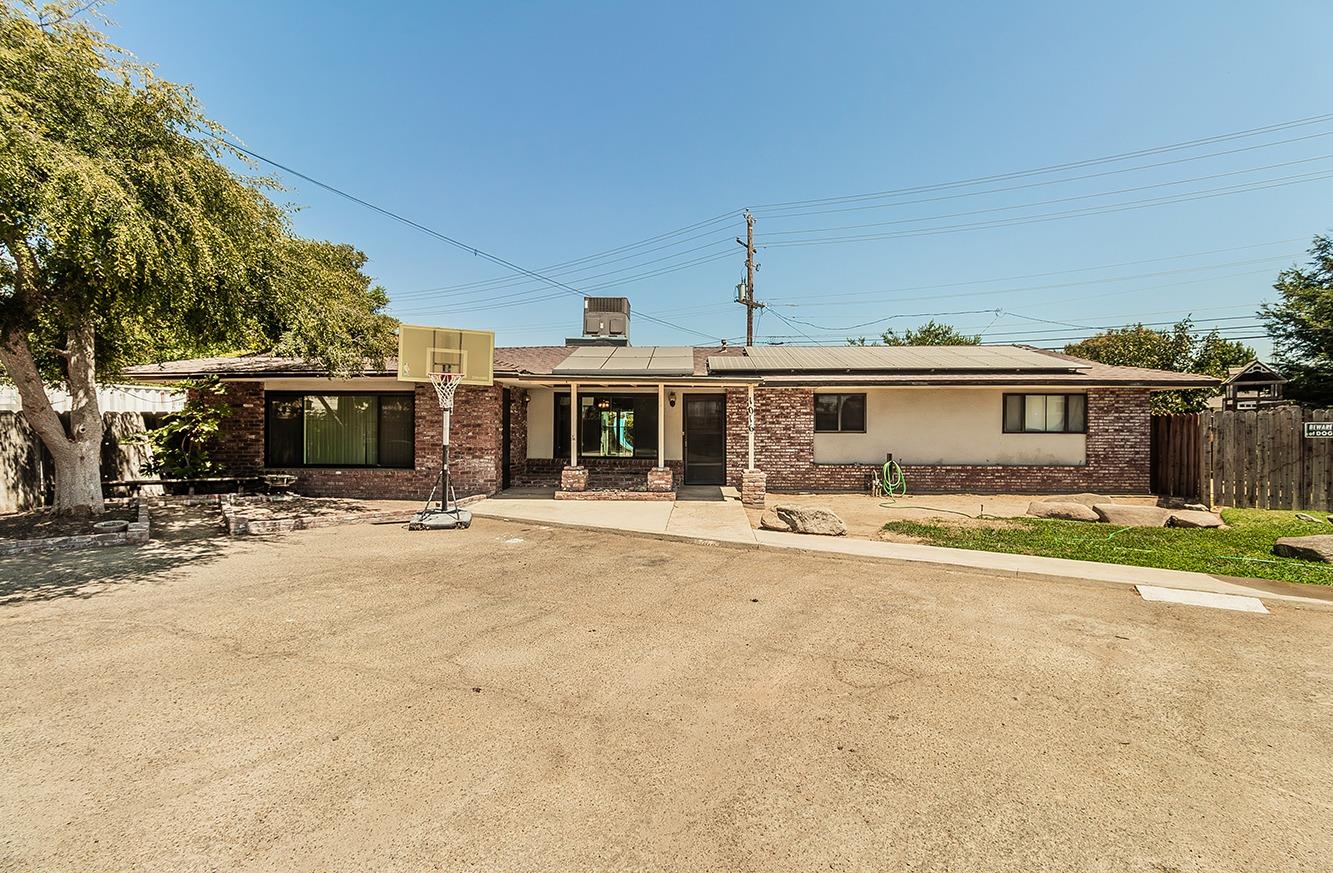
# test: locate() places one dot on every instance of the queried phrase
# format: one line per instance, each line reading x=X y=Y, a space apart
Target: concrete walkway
x=716 y=514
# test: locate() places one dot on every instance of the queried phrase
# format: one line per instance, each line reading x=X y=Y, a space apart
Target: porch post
x=573 y=424
x=749 y=426
x=754 y=483
x=661 y=425
x=573 y=477
x=660 y=478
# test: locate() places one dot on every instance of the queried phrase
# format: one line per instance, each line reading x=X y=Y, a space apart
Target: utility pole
x=745 y=291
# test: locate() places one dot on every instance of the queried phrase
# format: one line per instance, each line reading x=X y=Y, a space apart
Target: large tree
x=932 y=333
x=124 y=238
x=1301 y=326
x=1179 y=349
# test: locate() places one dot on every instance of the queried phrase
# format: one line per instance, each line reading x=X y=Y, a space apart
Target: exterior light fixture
x=671 y=399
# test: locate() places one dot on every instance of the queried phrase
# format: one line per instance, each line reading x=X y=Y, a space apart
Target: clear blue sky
x=546 y=133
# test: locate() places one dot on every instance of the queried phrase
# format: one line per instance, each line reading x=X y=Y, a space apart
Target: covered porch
x=629 y=438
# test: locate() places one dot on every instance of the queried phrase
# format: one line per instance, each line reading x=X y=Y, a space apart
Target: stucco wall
x=944 y=426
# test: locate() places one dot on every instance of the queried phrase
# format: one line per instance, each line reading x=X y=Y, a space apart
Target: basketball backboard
x=426 y=350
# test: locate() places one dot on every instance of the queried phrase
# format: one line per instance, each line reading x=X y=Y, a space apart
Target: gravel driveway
x=514 y=697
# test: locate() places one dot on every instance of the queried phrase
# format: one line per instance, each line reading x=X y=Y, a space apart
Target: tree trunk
x=76 y=451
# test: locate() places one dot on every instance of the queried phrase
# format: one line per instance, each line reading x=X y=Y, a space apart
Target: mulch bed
x=43 y=523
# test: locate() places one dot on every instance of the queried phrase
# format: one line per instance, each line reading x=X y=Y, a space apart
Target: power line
x=508 y=281
x=1053 y=168
x=1151 y=202
x=1045 y=274
x=1082 y=283
x=578 y=278
x=1069 y=199
x=495 y=259
x=1049 y=182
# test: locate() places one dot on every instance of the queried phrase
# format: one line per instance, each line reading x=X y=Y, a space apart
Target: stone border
x=136 y=533
x=240 y=525
x=615 y=495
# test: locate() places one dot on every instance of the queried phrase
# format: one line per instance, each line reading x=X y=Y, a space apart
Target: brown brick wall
x=629 y=474
x=1117 y=450
x=474 y=443
x=1116 y=459
x=518 y=434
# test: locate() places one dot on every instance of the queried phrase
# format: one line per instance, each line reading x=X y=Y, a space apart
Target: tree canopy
x=125 y=237
x=1178 y=348
x=1301 y=326
x=932 y=333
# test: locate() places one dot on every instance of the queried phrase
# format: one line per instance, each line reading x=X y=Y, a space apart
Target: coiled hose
x=893 y=485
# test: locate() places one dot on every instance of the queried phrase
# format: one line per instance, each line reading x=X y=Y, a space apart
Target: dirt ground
x=514 y=697
x=865 y=515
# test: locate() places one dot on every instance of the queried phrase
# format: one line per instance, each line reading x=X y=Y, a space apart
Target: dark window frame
x=1022 y=406
x=843 y=395
x=379 y=427
x=560 y=429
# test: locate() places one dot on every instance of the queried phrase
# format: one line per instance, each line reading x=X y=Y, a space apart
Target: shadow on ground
x=180 y=536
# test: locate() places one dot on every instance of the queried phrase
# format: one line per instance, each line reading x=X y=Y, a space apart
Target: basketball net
x=445 y=386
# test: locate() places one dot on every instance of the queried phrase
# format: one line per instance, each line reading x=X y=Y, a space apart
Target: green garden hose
x=893 y=483
x=892 y=480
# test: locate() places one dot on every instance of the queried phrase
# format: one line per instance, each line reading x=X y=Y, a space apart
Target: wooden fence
x=1252 y=458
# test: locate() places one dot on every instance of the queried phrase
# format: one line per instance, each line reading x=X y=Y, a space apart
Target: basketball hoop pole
x=445 y=386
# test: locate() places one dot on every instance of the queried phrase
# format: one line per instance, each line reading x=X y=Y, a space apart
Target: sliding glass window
x=610 y=425
x=339 y=430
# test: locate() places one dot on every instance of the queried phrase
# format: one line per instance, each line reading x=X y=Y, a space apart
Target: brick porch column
x=754 y=487
x=574 y=479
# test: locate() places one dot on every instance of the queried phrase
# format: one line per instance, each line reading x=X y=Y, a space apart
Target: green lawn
x=1244 y=550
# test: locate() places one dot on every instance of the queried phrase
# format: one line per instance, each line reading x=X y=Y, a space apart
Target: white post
x=573 y=424
x=749 y=423
x=661 y=426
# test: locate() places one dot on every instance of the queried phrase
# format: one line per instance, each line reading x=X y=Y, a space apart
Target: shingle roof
x=1034 y=366
x=877 y=359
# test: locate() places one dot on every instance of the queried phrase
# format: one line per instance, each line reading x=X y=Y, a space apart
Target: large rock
x=1318 y=547
x=770 y=521
x=1069 y=511
x=1088 y=499
x=811 y=520
x=1195 y=518
x=1132 y=515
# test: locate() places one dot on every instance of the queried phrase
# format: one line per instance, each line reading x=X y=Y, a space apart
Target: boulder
x=1132 y=515
x=1194 y=518
x=811 y=520
x=1318 y=547
x=1196 y=507
x=1069 y=511
x=770 y=521
x=1086 y=498
x=1303 y=516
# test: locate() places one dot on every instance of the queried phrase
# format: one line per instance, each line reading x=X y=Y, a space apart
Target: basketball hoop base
x=441 y=519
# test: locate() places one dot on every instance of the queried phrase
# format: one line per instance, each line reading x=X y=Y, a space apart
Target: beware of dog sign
x=1319 y=430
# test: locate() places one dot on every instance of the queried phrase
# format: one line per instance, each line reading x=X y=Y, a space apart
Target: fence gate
x=1262 y=459
x=1174 y=471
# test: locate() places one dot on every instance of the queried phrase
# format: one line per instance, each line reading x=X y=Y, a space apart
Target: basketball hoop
x=445 y=386
x=446 y=358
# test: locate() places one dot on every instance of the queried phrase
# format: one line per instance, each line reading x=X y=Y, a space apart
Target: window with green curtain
x=340 y=430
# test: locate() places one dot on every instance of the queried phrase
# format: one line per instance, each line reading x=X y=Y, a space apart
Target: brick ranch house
x=961 y=419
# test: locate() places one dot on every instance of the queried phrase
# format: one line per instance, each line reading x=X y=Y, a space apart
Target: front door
x=705 y=439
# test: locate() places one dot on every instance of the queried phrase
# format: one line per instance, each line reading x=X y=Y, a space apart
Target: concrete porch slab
x=699 y=512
